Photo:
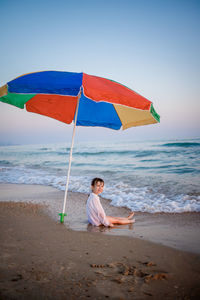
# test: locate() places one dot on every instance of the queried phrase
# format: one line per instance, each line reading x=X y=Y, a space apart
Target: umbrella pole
x=63 y=214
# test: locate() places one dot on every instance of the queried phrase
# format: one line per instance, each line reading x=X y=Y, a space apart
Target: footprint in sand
x=120 y=272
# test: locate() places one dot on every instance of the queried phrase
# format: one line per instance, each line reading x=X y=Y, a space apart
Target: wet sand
x=180 y=231
x=43 y=259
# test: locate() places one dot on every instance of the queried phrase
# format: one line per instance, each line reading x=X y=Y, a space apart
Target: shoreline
x=177 y=230
x=42 y=259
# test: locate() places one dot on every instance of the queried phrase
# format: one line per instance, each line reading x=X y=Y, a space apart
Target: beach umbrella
x=85 y=99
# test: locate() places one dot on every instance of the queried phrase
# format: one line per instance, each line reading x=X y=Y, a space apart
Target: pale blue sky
x=152 y=46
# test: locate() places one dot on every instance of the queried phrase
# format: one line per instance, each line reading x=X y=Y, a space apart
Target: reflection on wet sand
x=92 y=228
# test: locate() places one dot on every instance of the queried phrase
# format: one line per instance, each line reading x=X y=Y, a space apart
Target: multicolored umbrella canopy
x=103 y=102
x=88 y=100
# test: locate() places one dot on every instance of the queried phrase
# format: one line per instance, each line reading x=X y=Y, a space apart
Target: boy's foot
x=131 y=215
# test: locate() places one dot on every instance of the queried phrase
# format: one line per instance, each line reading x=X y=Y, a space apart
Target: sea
x=144 y=176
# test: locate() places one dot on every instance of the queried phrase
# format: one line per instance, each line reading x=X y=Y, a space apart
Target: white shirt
x=95 y=212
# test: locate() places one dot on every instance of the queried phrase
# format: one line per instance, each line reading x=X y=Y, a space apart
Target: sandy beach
x=157 y=258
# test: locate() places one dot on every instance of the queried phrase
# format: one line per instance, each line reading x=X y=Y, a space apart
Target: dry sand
x=43 y=259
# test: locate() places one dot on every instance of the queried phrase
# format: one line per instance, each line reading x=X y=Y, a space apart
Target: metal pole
x=70 y=161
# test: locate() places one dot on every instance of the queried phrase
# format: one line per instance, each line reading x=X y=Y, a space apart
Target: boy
x=95 y=211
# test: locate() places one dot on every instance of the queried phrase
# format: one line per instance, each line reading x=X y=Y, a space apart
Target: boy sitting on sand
x=95 y=211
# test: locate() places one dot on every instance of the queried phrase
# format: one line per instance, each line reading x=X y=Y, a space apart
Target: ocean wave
x=101 y=153
x=182 y=144
x=123 y=153
x=5 y=163
x=44 y=149
x=142 y=176
x=146 y=198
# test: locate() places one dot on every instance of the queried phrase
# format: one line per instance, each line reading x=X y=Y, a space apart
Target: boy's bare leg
x=123 y=218
x=122 y=221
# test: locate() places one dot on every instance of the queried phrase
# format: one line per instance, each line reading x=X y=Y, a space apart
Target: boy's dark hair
x=95 y=180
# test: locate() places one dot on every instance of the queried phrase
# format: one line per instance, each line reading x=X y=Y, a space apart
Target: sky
x=151 y=46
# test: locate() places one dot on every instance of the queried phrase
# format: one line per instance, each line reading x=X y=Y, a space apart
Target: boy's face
x=98 y=188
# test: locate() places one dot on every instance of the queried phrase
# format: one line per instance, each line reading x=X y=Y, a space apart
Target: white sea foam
x=144 y=199
x=148 y=200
